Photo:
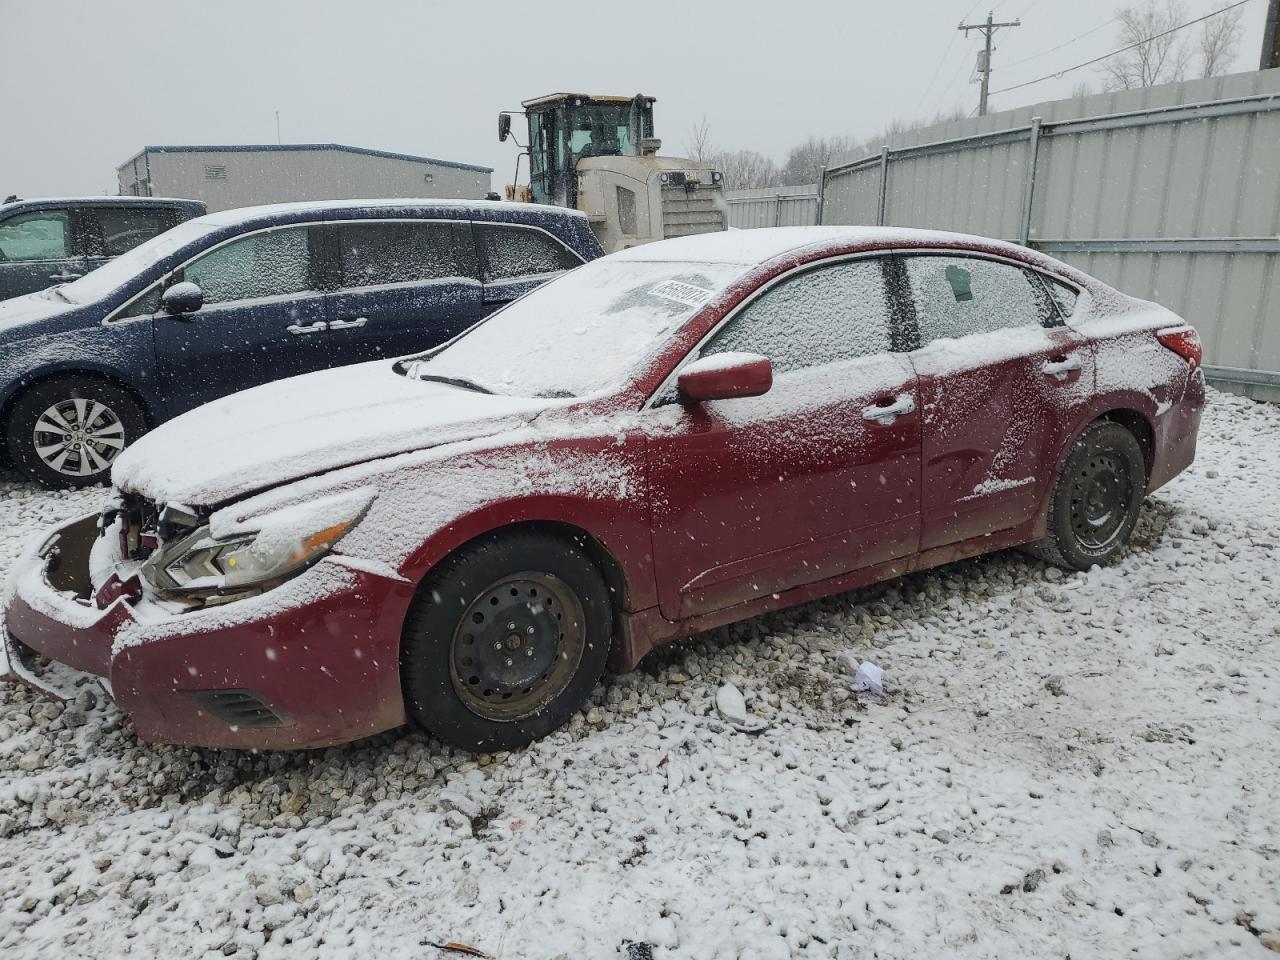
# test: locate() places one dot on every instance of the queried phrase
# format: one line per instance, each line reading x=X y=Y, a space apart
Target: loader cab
x=567 y=127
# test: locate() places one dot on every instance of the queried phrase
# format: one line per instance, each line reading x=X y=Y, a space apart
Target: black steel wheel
x=517 y=646
x=1097 y=498
x=67 y=431
x=505 y=640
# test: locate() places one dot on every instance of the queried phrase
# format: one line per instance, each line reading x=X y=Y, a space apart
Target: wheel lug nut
x=529 y=630
x=528 y=652
x=498 y=645
x=511 y=626
x=510 y=662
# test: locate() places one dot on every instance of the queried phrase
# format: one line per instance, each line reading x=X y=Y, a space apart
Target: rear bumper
x=314 y=662
x=1175 y=432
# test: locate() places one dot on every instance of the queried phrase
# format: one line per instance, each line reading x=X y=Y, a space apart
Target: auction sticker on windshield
x=685 y=293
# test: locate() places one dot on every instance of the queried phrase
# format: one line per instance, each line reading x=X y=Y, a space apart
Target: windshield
x=115 y=273
x=583 y=332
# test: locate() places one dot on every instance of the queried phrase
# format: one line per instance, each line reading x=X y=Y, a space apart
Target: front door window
x=41 y=235
x=269 y=264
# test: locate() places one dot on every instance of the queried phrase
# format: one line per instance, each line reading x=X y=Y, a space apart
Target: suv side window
x=831 y=313
x=960 y=296
x=508 y=251
x=123 y=228
x=268 y=264
x=374 y=254
x=39 y=235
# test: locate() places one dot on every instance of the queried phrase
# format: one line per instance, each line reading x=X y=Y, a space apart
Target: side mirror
x=724 y=376
x=182 y=298
x=504 y=127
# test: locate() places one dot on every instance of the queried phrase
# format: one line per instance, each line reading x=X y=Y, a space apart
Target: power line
x=951 y=82
x=1066 y=43
x=1107 y=56
x=943 y=58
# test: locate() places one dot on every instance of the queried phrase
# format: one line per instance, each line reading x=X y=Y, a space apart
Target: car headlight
x=228 y=559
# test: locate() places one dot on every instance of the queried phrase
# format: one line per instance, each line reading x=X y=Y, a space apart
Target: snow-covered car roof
x=238 y=215
x=40 y=203
x=749 y=247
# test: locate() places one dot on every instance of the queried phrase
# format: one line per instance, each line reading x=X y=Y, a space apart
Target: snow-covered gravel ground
x=1084 y=765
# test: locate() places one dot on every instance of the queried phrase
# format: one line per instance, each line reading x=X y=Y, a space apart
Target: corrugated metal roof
x=291 y=147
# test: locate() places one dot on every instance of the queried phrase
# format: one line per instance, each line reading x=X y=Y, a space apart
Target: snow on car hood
x=305 y=426
x=28 y=309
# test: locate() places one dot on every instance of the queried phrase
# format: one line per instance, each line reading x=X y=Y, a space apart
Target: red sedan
x=668 y=439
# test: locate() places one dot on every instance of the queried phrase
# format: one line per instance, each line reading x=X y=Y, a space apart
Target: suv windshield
x=115 y=273
x=581 y=333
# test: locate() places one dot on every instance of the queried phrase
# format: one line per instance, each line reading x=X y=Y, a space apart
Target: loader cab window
x=600 y=130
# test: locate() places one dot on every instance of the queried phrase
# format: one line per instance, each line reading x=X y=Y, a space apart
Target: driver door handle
x=66 y=276
x=348 y=324
x=1061 y=367
x=902 y=404
x=299 y=330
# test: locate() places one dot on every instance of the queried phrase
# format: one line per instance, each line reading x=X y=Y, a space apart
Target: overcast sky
x=87 y=83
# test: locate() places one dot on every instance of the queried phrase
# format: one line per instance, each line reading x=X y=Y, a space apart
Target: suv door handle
x=902 y=405
x=298 y=330
x=348 y=324
x=1060 y=368
x=66 y=276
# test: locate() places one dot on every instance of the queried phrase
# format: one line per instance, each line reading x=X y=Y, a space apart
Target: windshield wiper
x=461 y=382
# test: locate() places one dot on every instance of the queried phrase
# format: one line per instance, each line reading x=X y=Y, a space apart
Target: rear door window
x=508 y=251
x=268 y=264
x=39 y=235
x=832 y=313
x=122 y=228
x=960 y=296
x=378 y=254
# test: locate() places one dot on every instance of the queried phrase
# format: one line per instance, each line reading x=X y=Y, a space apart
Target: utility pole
x=984 y=57
x=1271 y=38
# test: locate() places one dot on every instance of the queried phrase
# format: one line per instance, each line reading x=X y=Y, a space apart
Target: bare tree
x=698 y=141
x=744 y=169
x=1218 y=42
x=1156 y=55
x=805 y=160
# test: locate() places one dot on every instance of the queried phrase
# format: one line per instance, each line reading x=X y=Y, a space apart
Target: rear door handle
x=348 y=324
x=66 y=276
x=298 y=330
x=1060 y=368
x=902 y=405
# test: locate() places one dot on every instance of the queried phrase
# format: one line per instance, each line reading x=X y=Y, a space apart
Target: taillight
x=1185 y=342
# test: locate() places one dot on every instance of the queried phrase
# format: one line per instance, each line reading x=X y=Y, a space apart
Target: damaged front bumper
x=314 y=662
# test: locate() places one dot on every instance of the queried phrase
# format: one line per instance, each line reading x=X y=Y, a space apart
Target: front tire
x=505 y=641
x=1097 y=498
x=67 y=431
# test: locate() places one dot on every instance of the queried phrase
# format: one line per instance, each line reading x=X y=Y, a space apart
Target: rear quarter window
x=508 y=251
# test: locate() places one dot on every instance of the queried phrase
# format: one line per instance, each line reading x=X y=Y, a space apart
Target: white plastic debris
x=868 y=679
x=731 y=704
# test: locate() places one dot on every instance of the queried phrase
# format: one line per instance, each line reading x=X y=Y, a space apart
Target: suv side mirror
x=182 y=298
x=504 y=127
x=723 y=376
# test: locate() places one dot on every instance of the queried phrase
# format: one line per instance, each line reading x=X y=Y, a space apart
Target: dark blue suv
x=57 y=240
x=238 y=298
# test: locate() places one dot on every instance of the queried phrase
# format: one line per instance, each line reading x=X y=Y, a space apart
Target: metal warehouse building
x=239 y=176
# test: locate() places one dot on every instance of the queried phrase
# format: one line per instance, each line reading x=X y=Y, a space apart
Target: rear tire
x=67 y=431
x=505 y=641
x=1097 y=498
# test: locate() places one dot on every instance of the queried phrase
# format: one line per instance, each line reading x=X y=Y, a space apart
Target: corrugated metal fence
x=1170 y=193
x=773 y=206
